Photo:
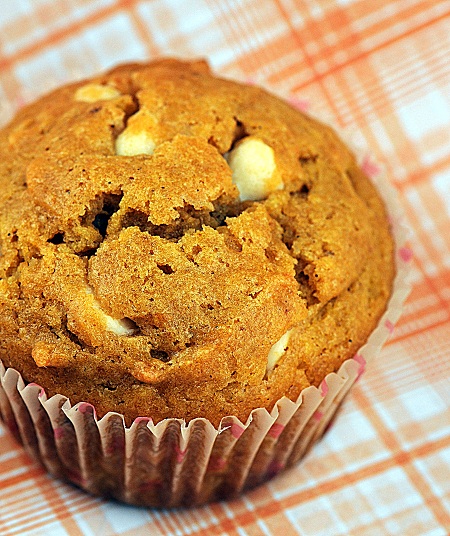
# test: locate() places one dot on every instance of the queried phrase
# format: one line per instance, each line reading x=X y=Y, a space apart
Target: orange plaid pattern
x=379 y=68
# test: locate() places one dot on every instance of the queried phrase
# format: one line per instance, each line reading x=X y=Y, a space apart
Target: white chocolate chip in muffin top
x=119 y=327
x=137 y=137
x=277 y=351
x=96 y=92
x=90 y=322
x=89 y=316
x=254 y=169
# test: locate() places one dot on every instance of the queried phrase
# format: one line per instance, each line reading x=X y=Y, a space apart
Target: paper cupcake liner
x=174 y=463
x=171 y=463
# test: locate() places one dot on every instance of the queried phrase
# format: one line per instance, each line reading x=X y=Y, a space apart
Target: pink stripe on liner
x=370 y=168
x=362 y=364
x=323 y=388
x=406 y=254
x=58 y=432
x=84 y=408
x=20 y=101
x=317 y=415
x=236 y=430
x=301 y=104
x=389 y=325
x=216 y=464
x=275 y=430
x=180 y=454
x=138 y=420
x=116 y=445
x=76 y=477
x=274 y=468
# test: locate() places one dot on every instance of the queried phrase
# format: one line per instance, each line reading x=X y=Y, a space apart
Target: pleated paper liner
x=170 y=463
x=177 y=464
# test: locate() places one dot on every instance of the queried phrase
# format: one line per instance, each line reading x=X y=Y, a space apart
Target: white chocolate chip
x=277 y=351
x=118 y=327
x=254 y=169
x=137 y=137
x=96 y=92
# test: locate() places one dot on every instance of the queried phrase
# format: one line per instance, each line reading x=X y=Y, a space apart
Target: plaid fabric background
x=379 y=67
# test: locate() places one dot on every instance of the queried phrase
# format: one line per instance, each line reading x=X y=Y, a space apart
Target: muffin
x=179 y=246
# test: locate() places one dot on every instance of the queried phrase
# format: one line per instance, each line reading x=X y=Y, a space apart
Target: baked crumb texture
x=177 y=245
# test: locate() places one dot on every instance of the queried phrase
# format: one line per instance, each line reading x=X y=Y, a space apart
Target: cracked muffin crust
x=177 y=245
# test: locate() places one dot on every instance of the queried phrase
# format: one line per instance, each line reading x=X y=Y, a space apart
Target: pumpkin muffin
x=178 y=245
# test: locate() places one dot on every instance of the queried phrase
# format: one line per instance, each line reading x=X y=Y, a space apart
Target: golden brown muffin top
x=165 y=234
